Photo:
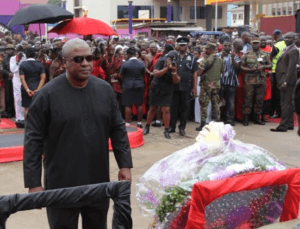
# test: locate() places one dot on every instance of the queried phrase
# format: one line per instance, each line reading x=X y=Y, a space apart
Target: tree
x=55 y=2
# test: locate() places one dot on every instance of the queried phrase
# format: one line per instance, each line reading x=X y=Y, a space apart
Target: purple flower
x=227 y=133
x=237 y=216
x=149 y=196
x=169 y=178
x=163 y=166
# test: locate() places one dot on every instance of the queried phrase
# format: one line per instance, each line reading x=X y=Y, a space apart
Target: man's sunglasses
x=79 y=59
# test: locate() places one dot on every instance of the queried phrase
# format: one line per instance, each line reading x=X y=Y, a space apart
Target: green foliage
x=55 y=2
x=168 y=202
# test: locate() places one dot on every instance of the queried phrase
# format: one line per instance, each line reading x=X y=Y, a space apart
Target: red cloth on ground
x=239 y=95
x=204 y=193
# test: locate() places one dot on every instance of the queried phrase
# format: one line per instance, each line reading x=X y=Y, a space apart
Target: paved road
x=283 y=145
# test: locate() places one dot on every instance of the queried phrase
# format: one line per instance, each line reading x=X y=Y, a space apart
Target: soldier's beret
x=211 y=46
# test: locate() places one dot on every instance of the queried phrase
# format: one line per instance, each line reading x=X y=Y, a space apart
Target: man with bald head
x=70 y=121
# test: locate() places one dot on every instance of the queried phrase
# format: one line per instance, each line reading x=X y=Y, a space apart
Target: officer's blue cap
x=182 y=41
x=277 y=32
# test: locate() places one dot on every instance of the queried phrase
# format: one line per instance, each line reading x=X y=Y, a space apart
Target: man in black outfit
x=7 y=76
x=70 y=121
x=188 y=68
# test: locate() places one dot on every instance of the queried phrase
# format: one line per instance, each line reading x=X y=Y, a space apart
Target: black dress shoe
x=257 y=120
x=181 y=132
x=167 y=134
x=140 y=126
x=4 y=114
x=279 y=129
x=156 y=124
x=290 y=128
x=20 y=124
x=246 y=120
x=275 y=116
x=146 y=130
x=171 y=130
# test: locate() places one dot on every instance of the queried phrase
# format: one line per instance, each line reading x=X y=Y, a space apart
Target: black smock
x=71 y=127
x=161 y=90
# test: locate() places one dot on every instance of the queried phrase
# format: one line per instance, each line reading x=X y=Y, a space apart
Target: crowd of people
x=200 y=79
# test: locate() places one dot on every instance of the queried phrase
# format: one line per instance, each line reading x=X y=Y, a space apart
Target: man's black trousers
x=67 y=218
x=179 y=105
x=9 y=98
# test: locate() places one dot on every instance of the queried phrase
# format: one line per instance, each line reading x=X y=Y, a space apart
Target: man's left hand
x=124 y=174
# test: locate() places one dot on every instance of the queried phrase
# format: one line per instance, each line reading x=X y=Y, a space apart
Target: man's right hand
x=36 y=189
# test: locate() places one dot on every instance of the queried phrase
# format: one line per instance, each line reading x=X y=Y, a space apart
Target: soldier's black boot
x=257 y=120
x=167 y=133
x=246 y=120
x=146 y=130
x=203 y=123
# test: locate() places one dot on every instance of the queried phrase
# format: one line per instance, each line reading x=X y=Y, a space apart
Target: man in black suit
x=286 y=76
x=7 y=76
x=297 y=102
x=70 y=121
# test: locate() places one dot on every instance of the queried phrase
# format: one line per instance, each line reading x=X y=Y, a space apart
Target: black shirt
x=71 y=127
x=187 y=67
x=133 y=72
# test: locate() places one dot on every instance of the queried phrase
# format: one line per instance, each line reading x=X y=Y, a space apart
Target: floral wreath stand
x=192 y=216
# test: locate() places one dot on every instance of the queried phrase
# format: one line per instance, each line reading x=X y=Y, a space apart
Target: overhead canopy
x=194 y=33
x=182 y=29
x=242 y=2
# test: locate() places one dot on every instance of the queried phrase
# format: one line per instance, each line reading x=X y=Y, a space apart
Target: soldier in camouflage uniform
x=210 y=72
x=254 y=62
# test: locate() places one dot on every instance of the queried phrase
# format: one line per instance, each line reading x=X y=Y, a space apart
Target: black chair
x=71 y=197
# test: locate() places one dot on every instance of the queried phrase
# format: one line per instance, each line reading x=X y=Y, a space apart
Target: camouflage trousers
x=252 y=91
x=209 y=92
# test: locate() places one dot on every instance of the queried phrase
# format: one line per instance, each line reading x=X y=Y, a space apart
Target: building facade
x=110 y=10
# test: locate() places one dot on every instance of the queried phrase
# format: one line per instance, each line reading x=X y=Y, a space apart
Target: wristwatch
x=27 y=90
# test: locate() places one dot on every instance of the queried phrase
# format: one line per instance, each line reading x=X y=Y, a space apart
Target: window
x=295 y=6
x=123 y=11
x=241 y=17
x=234 y=16
x=77 y=3
x=219 y=12
x=164 y=12
x=201 y=12
x=77 y=12
x=284 y=12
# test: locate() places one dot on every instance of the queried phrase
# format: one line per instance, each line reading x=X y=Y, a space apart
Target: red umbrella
x=83 y=26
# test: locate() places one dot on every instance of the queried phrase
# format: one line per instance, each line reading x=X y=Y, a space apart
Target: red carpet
x=10 y=154
x=5 y=123
x=278 y=120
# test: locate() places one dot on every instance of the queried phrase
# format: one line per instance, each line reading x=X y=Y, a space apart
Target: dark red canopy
x=83 y=26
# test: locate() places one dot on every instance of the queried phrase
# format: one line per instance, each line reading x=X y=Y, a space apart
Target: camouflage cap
x=9 y=46
x=211 y=46
x=255 y=40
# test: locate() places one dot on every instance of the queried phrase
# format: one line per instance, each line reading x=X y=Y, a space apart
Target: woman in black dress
x=161 y=91
x=33 y=77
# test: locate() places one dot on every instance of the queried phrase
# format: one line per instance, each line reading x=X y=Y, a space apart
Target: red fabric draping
x=268 y=91
x=154 y=60
x=204 y=193
x=98 y=70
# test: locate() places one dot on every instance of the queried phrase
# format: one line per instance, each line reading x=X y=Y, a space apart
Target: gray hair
x=71 y=44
